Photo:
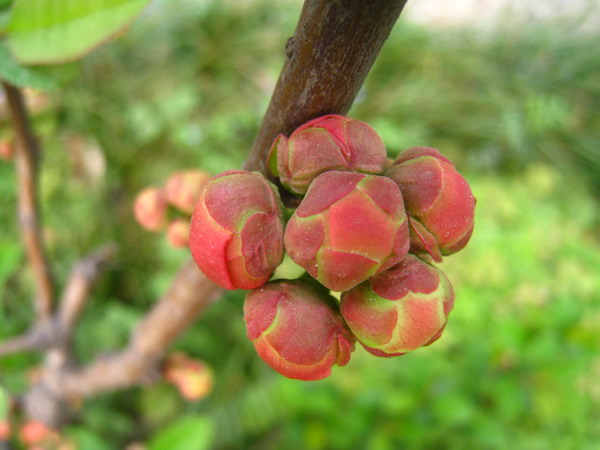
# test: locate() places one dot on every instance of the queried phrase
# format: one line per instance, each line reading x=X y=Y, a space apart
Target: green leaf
x=14 y=73
x=86 y=438
x=53 y=32
x=190 y=433
x=3 y=404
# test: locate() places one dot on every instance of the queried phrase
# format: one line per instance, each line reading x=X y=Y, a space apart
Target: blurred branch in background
x=27 y=160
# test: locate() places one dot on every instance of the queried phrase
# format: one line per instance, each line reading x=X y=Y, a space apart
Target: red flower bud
x=348 y=227
x=330 y=142
x=183 y=188
x=192 y=377
x=5 y=430
x=150 y=209
x=6 y=150
x=236 y=234
x=401 y=309
x=296 y=328
x=178 y=233
x=438 y=200
x=35 y=433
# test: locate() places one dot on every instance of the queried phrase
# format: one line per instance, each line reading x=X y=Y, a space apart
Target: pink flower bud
x=178 y=233
x=6 y=150
x=192 y=377
x=401 y=309
x=438 y=200
x=35 y=433
x=236 y=234
x=5 y=430
x=348 y=227
x=150 y=209
x=183 y=188
x=330 y=142
x=296 y=328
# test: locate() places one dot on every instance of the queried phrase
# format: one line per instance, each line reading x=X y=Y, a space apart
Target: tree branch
x=328 y=58
x=18 y=344
x=189 y=295
x=83 y=276
x=27 y=155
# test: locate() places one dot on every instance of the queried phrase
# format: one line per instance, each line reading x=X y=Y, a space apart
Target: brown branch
x=18 y=344
x=335 y=45
x=83 y=276
x=27 y=155
x=189 y=295
x=328 y=58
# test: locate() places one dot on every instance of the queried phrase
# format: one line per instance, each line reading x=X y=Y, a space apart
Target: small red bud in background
x=5 y=430
x=399 y=310
x=183 y=188
x=236 y=233
x=438 y=200
x=178 y=233
x=192 y=377
x=296 y=328
x=348 y=226
x=326 y=143
x=38 y=435
x=6 y=150
x=150 y=209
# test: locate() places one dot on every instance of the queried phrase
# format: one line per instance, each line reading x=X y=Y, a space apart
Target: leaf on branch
x=54 y=32
x=18 y=75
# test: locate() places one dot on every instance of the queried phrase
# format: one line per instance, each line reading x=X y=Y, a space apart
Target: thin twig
x=27 y=156
x=83 y=276
x=18 y=344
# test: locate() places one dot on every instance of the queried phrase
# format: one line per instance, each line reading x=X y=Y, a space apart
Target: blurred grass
x=517 y=109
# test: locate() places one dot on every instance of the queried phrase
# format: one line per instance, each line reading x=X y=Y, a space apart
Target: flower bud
x=150 y=209
x=192 y=377
x=183 y=188
x=178 y=233
x=330 y=142
x=399 y=310
x=5 y=430
x=438 y=200
x=348 y=227
x=34 y=433
x=236 y=234
x=6 y=150
x=296 y=328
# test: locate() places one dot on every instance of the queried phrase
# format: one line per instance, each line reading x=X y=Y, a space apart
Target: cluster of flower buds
x=170 y=207
x=362 y=225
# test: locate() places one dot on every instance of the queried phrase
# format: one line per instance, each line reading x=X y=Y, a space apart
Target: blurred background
x=511 y=95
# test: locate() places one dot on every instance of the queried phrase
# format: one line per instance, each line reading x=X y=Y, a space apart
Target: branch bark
x=27 y=156
x=327 y=60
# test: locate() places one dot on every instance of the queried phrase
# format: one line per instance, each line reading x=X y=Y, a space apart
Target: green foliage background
x=517 y=109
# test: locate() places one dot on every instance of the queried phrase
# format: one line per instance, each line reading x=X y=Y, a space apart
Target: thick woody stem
x=27 y=155
x=328 y=58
